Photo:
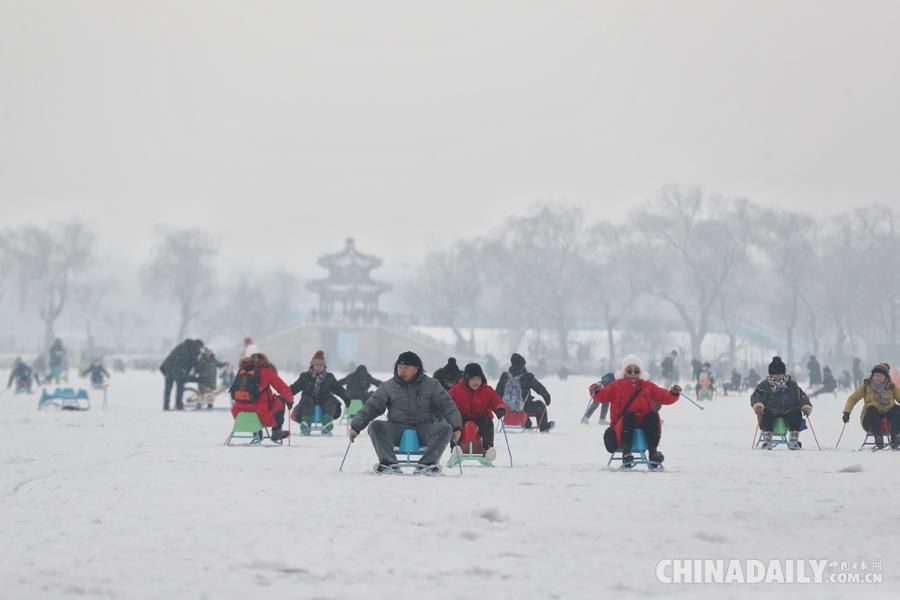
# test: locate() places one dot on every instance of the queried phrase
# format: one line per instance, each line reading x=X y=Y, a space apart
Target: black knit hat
x=517 y=360
x=473 y=370
x=883 y=368
x=777 y=367
x=451 y=361
x=410 y=359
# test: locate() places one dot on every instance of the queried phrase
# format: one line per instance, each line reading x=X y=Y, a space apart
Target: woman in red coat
x=476 y=400
x=630 y=381
x=257 y=371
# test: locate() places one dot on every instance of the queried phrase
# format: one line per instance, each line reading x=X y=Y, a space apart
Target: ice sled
x=884 y=426
x=408 y=448
x=779 y=434
x=316 y=425
x=470 y=447
x=65 y=399
x=639 y=450
x=516 y=421
x=247 y=426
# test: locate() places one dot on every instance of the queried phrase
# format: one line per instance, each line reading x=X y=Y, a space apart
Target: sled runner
x=65 y=399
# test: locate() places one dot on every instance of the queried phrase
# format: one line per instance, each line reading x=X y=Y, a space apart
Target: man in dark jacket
x=449 y=375
x=413 y=400
x=358 y=383
x=177 y=368
x=517 y=376
x=317 y=387
x=815 y=371
x=779 y=396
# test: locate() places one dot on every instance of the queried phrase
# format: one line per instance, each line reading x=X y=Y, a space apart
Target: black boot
x=278 y=434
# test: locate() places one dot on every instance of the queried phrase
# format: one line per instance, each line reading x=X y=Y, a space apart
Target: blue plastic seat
x=409 y=444
x=638 y=449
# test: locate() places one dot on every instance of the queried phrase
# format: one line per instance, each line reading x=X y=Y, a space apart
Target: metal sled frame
x=245 y=427
x=65 y=399
x=638 y=450
x=869 y=442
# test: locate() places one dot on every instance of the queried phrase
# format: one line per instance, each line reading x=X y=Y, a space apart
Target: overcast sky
x=284 y=127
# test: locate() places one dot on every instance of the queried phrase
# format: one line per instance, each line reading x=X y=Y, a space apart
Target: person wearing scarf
x=881 y=400
x=778 y=395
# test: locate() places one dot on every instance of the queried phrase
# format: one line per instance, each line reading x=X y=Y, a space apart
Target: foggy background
x=659 y=165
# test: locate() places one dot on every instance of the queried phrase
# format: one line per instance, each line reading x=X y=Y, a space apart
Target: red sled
x=517 y=420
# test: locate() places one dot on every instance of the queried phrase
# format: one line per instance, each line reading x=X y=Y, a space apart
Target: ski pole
x=755 y=436
x=688 y=398
x=459 y=459
x=505 y=437
x=811 y=428
x=346 y=452
x=840 y=436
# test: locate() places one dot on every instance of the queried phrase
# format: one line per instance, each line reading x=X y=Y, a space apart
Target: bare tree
x=787 y=240
x=879 y=226
x=613 y=284
x=546 y=250
x=450 y=286
x=260 y=305
x=45 y=261
x=182 y=270
x=695 y=243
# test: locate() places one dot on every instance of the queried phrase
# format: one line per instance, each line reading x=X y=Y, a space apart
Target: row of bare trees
x=699 y=260
x=50 y=268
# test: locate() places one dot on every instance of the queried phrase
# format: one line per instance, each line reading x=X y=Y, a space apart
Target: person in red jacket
x=475 y=400
x=256 y=370
x=641 y=412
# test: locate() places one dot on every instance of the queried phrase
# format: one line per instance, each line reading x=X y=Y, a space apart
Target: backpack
x=512 y=393
x=245 y=387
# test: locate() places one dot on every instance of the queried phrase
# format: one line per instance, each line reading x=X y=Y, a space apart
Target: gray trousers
x=592 y=406
x=434 y=436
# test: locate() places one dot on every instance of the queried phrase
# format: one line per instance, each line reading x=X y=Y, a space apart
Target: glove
x=806 y=408
x=352 y=434
x=500 y=413
x=675 y=390
x=595 y=387
x=758 y=408
x=290 y=403
x=547 y=400
x=846 y=417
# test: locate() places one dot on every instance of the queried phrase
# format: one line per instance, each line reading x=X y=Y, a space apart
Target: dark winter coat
x=476 y=404
x=448 y=375
x=305 y=386
x=815 y=371
x=418 y=402
x=781 y=402
x=528 y=382
x=57 y=356
x=358 y=383
x=668 y=367
x=208 y=370
x=619 y=392
x=268 y=403
x=21 y=372
x=98 y=374
x=182 y=360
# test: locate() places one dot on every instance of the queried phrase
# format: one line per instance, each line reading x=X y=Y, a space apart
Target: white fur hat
x=631 y=359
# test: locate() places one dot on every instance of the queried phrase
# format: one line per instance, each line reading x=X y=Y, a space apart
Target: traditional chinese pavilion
x=349 y=284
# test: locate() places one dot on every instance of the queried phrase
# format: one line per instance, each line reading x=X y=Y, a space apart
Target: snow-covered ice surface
x=136 y=503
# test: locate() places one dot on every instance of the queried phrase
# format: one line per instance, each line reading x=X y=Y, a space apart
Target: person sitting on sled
x=778 y=395
x=475 y=400
x=880 y=400
x=413 y=400
x=515 y=387
x=634 y=399
x=252 y=392
x=592 y=406
x=317 y=387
